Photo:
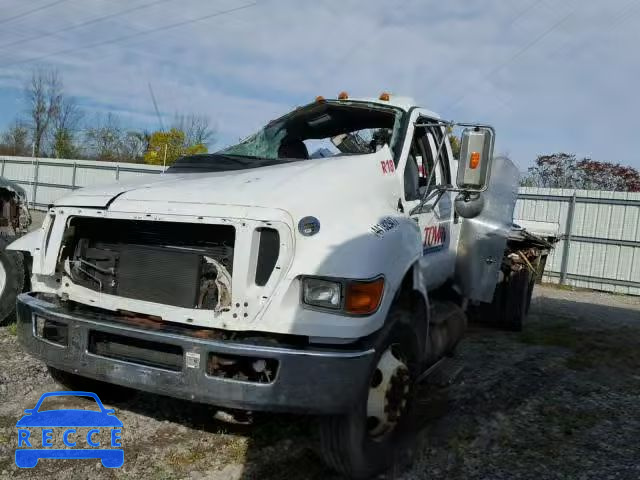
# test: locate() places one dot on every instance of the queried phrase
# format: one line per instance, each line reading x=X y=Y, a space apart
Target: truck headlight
x=321 y=293
x=353 y=297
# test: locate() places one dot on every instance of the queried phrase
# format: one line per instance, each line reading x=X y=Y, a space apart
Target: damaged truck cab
x=324 y=265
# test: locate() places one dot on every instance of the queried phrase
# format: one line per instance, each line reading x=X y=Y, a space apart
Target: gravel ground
x=557 y=401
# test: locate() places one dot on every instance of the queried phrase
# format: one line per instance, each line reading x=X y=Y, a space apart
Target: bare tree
x=15 y=141
x=197 y=129
x=564 y=170
x=44 y=96
x=65 y=124
x=104 y=139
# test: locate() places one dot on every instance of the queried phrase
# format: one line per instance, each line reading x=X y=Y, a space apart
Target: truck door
x=435 y=219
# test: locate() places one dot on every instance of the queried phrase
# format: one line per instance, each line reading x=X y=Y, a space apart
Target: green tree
x=166 y=147
x=63 y=144
x=15 y=141
x=455 y=143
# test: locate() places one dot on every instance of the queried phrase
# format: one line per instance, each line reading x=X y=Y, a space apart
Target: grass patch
x=570 y=421
x=13 y=329
x=8 y=421
x=5 y=463
x=615 y=348
x=236 y=451
x=187 y=458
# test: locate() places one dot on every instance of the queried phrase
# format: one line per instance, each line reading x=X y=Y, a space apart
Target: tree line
x=54 y=125
x=565 y=170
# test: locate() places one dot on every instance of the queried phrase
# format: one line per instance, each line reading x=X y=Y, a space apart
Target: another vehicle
x=263 y=277
x=27 y=454
x=14 y=222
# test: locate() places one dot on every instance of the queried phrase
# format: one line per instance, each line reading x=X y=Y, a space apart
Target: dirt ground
x=560 y=400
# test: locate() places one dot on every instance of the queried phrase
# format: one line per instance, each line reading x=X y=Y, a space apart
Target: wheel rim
x=388 y=394
x=3 y=279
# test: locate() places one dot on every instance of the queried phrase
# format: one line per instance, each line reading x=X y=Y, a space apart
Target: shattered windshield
x=319 y=130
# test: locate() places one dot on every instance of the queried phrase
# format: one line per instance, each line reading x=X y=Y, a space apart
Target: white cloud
x=573 y=89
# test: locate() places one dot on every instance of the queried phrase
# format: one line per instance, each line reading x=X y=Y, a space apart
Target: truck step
x=443 y=373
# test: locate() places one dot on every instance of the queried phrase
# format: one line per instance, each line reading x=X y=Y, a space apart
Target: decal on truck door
x=435 y=238
x=387 y=166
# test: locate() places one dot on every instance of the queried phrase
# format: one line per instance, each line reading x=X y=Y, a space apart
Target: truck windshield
x=318 y=130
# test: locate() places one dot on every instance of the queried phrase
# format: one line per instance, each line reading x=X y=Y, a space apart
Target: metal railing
x=45 y=180
x=600 y=236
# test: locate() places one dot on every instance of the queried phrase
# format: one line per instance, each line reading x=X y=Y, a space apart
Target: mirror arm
x=423 y=208
x=427 y=194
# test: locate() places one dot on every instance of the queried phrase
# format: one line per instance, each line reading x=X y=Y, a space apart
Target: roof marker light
x=343 y=96
x=319 y=98
x=384 y=96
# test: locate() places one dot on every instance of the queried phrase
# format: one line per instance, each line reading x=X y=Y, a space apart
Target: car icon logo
x=32 y=447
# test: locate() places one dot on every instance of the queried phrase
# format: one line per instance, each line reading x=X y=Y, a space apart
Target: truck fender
x=419 y=285
x=30 y=242
x=413 y=282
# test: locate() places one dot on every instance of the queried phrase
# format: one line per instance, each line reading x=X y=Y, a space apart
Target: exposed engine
x=180 y=264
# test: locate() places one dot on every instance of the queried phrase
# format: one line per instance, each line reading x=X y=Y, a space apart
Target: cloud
x=548 y=76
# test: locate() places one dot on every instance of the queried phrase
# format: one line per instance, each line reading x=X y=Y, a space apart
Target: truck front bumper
x=308 y=380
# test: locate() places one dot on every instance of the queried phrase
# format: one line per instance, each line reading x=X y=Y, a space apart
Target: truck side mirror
x=476 y=155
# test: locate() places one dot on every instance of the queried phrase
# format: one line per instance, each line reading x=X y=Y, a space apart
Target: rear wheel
x=378 y=431
x=12 y=278
x=517 y=300
x=510 y=304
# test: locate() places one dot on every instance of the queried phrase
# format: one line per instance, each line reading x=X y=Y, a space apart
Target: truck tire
x=517 y=300
x=536 y=278
x=12 y=277
x=372 y=437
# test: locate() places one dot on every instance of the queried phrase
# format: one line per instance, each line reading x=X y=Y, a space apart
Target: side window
x=422 y=161
x=434 y=136
x=419 y=165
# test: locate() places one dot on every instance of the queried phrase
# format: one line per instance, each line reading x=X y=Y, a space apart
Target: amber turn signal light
x=474 y=161
x=362 y=298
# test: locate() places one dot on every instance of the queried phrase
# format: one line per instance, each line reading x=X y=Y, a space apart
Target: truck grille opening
x=268 y=251
x=134 y=350
x=238 y=367
x=180 y=264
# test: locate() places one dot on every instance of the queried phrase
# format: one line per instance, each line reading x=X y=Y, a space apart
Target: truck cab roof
x=403 y=103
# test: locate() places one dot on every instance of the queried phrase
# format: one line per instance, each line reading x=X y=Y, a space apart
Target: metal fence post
x=4 y=162
x=35 y=184
x=73 y=176
x=117 y=172
x=567 y=239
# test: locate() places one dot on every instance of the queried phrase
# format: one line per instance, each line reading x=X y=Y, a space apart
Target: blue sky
x=549 y=75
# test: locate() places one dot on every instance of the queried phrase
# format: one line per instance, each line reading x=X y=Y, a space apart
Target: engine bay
x=179 y=264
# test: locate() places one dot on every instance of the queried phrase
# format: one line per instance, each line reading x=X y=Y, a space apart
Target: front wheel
x=12 y=276
x=376 y=433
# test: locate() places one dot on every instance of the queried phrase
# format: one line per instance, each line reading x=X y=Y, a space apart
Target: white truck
x=265 y=277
